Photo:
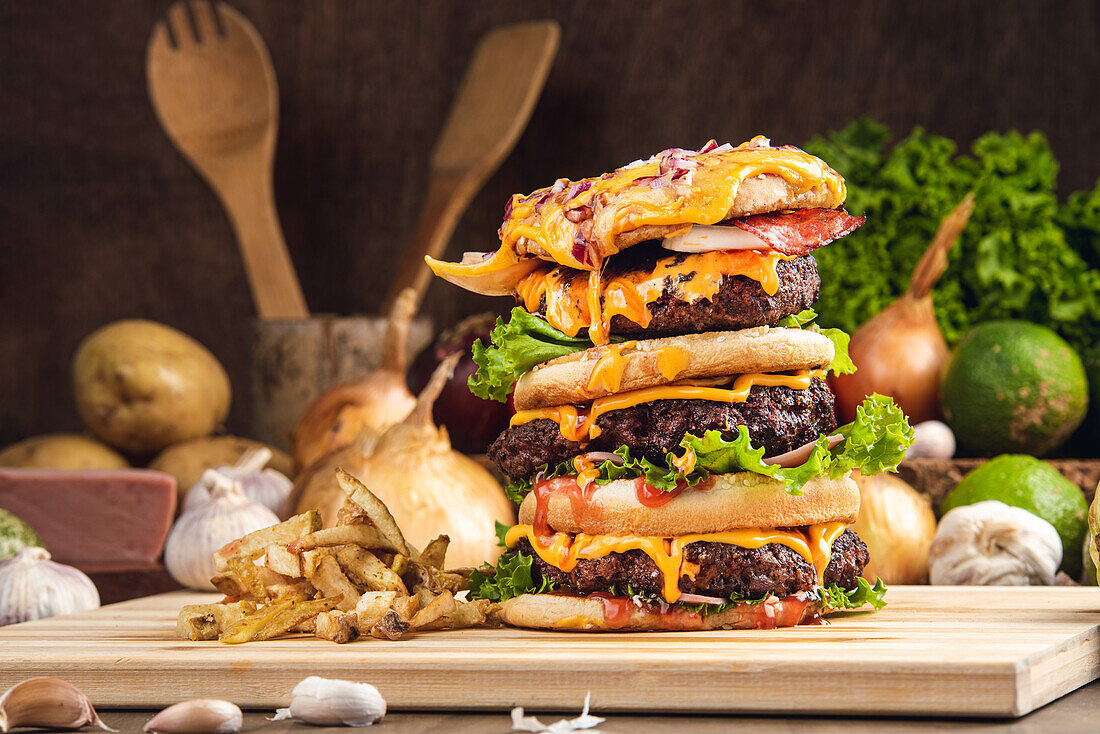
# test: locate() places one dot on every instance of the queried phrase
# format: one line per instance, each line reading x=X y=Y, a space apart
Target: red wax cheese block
x=93 y=516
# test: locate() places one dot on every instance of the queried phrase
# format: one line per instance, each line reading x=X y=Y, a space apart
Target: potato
x=188 y=460
x=141 y=386
x=61 y=451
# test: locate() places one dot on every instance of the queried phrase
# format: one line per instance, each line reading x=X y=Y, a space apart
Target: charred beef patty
x=778 y=418
x=740 y=302
x=724 y=570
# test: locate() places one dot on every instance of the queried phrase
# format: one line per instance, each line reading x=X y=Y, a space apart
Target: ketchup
x=616 y=609
x=650 y=496
x=579 y=497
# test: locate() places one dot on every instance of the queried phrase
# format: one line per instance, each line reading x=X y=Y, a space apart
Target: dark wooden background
x=102 y=219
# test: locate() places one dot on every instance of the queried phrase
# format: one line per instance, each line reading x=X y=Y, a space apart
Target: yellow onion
x=897 y=524
x=429 y=488
x=900 y=351
x=382 y=398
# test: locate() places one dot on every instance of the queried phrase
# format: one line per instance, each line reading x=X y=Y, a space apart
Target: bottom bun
x=623 y=614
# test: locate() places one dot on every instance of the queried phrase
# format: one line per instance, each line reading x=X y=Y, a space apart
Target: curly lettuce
x=1021 y=256
x=837 y=599
x=876 y=441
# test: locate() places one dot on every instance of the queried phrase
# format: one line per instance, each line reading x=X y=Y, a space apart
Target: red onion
x=603 y=456
x=798 y=456
x=700 y=599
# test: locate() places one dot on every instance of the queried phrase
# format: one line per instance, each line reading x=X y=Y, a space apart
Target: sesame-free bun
x=655 y=362
x=553 y=611
x=725 y=502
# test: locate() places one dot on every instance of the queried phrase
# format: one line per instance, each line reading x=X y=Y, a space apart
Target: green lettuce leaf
x=837 y=598
x=525 y=341
x=514 y=576
x=842 y=364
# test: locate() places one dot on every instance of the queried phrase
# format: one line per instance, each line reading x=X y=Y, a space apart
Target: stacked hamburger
x=674 y=447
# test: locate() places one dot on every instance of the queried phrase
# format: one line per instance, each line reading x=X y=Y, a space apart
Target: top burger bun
x=727 y=502
x=656 y=362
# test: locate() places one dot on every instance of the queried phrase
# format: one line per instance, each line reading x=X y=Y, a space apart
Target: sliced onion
x=711 y=238
x=604 y=456
x=700 y=599
x=798 y=456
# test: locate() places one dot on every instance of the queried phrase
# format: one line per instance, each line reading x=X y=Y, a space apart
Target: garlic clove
x=329 y=702
x=198 y=716
x=47 y=703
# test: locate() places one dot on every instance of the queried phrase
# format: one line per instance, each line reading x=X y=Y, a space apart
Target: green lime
x=1013 y=386
x=15 y=535
x=1035 y=486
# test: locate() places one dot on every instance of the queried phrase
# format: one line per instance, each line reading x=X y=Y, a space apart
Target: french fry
x=390 y=627
x=339 y=627
x=296 y=587
x=379 y=514
x=439 y=607
x=208 y=621
x=399 y=564
x=331 y=581
x=364 y=569
x=405 y=606
x=252 y=545
x=351 y=514
x=276 y=619
x=366 y=536
x=280 y=560
x=435 y=580
x=465 y=614
x=372 y=606
x=311 y=559
x=435 y=552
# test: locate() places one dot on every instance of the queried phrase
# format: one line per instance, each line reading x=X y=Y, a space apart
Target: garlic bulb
x=327 y=702
x=992 y=544
x=931 y=440
x=206 y=527
x=897 y=524
x=266 y=486
x=430 y=488
x=34 y=587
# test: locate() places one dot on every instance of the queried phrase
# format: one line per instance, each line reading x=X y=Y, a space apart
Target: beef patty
x=724 y=570
x=778 y=418
x=740 y=302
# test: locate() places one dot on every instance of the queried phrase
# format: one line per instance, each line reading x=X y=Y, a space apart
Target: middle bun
x=655 y=362
x=727 y=502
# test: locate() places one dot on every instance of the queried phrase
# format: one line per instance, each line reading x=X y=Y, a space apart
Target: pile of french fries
x=356 y=579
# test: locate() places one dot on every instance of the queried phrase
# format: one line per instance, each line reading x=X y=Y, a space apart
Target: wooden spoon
x=214 y=91
x=494 y=103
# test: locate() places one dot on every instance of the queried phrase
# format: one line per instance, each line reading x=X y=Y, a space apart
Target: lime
x=1035 y=486
x=1013 y=386
x=15 y=535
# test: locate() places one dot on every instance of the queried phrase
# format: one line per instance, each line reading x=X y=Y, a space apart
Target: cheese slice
x=563 y=551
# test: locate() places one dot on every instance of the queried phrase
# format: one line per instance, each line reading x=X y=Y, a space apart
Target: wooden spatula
x=493 y=105
x=214 y=91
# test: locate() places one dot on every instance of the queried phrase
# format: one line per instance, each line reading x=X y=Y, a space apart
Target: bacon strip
x=801 y=231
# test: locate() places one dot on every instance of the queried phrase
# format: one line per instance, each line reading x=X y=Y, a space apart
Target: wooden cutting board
x=933 y=651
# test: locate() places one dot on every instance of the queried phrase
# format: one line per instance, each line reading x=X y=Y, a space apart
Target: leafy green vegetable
x=873 y=443
x=864 y=593
x=501 y=531
x=513 y=577
x=525 y=341
x=1013 y=259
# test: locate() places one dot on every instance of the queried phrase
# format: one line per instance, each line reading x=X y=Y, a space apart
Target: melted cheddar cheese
x=580 y=425
x=577 y=224
x=563 y=551
x=576 y=300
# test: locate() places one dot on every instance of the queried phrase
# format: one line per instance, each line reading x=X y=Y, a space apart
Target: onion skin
x=900 y=351
x=430 y=488
x=897 y=524
x=381 y=399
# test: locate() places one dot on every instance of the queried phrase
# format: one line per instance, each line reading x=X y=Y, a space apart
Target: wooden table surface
x=1073 y=713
